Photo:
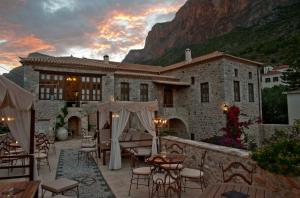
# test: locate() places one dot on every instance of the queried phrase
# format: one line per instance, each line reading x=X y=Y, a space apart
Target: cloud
x=82 y=28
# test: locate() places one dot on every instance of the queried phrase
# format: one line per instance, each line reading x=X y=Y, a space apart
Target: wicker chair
x=196 y=175
x=41 y=155
x=174 y=149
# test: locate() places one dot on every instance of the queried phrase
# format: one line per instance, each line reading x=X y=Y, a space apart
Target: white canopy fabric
x=145 y=112
x=15 y=104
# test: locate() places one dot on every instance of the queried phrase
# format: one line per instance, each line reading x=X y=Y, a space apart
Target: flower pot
x=61 y=133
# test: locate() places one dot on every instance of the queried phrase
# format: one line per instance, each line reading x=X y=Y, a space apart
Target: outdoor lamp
x=225 y=108
x=115 y=115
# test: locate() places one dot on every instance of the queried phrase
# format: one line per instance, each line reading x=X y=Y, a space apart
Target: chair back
x=168 y=178
x=244 y=173
x=174 y=148
x=202 y=161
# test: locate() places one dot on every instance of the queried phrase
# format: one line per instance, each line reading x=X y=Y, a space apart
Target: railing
x=27 y=158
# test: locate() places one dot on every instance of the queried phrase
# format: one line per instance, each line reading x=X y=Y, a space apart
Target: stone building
x=191 y=94
x=272 y=77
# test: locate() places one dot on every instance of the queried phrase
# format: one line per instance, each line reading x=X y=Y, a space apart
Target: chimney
x=106 y=59
x=188 y=55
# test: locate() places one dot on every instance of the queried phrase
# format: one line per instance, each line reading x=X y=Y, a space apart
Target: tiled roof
x=208 y=57
x=69 y=60
x=280 y=67
x=271 y=73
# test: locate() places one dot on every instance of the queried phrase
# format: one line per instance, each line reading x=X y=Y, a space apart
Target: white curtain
x=147 y=120
x=19 y=125
x=118 y=125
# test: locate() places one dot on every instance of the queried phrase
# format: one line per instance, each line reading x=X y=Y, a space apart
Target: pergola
x=119 y=113
x=17 y=110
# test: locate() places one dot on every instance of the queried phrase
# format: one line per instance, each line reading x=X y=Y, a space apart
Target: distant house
x=272 y=77
x=191 y=93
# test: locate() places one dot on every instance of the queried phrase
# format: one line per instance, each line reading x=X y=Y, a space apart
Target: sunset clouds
x=81 y=28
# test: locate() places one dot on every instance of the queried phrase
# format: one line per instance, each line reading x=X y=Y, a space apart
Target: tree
x=274 y=105
x=292 y=77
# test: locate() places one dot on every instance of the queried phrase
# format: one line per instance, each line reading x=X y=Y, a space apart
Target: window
x=236 y=73
x=267 y=80
x=49 y=87
x=168 y=97
x=204 y=91
x=251 y=92
x=42 y=76
x=275 y=79
x=192 y=136
x=236 y=89
x=144 y=92
x=192 y=80
x=91 y=88
x=250 y=75
x=124 y=91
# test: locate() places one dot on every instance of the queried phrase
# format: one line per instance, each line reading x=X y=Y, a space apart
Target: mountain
x=239 y=27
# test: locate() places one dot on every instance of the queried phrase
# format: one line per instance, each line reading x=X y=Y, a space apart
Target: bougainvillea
x=234 y=128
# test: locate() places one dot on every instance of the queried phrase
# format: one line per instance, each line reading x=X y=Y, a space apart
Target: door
x=74 y=125
x=72 y=88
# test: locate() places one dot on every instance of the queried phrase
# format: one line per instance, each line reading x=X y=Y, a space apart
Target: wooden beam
x=31 y=149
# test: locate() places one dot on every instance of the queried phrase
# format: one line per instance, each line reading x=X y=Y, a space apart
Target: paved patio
x=118 y=180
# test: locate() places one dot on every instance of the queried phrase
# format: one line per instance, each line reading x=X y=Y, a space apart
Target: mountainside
x=239 y=27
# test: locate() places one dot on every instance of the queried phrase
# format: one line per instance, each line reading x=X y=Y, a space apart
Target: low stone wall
x=267 y=130
x=280 y=185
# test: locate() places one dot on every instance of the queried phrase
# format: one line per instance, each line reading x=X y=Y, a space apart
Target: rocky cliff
x=199 y=20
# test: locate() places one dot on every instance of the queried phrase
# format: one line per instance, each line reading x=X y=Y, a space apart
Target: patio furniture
x=139 y=173
x=244 y=173
x=218 y=190
x=59 y=186
x=41 y=155
x=51 y=141
x=173 y=149
x=28 y=189
x=87 y=154
x=165 y=179
x=196 y=175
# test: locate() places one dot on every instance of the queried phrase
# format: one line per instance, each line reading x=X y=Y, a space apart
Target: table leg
x=104 y=157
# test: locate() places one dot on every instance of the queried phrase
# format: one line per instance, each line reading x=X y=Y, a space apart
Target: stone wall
x=281 y=186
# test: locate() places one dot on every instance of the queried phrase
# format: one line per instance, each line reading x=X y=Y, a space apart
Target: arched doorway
x=178 y=128
x=74 y=125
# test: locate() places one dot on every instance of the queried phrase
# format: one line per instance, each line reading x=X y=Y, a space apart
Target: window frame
x=125 y=92
x=236 y=91
x=204 y=92
x=144 y=92
x=250 y=92
x=168 y=97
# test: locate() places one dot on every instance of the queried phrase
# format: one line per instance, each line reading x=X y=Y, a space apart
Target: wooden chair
x=165 y=179
x=243 y=173
x=139 y=173
x=196 y=175
x=41 y=155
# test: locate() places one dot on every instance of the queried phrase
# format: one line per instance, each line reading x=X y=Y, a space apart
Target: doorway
x=74 y=125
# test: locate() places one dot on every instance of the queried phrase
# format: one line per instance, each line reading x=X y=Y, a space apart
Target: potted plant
x=61 y=131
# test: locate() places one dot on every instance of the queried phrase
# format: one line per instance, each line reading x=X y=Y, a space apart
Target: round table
x=167 y=158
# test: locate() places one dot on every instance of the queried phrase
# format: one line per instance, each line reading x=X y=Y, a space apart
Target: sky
x=82 y=28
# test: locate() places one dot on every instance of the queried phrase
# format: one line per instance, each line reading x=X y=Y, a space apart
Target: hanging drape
x=118 y=125
x=15 y=105
x=146 y=118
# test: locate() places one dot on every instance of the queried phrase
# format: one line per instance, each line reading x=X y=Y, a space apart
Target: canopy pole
x=98 y=135
x=31 y=149
x=110 y=122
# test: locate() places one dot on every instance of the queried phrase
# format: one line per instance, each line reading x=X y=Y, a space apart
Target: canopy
x=15 y=108
x=145 y=113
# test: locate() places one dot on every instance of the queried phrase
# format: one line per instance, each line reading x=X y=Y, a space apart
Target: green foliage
x=274 y=105
x=60 y=119
x=274 y=42
x=281 y=155
x=292 y=77
x=3 y=129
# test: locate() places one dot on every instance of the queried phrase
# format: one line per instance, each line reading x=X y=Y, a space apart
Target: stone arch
x=82 y=118
x=179 y=127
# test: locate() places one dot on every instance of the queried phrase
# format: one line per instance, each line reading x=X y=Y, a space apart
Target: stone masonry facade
x=188 y=114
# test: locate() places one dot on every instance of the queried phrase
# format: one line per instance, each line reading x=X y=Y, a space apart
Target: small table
x=103 y=148
x=60 y=186
x=216 y=190
x=170 y=158
x=30 y=188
